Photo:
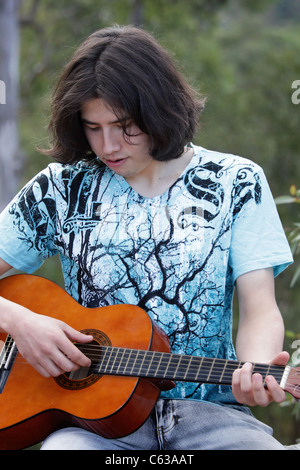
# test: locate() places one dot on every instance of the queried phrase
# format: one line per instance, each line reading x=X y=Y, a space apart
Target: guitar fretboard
x=153 y=364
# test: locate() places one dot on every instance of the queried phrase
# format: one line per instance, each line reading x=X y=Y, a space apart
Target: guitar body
x=31 y=406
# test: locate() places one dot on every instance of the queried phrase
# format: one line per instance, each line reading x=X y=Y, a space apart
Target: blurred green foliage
x=294 y=233
x=243 y=55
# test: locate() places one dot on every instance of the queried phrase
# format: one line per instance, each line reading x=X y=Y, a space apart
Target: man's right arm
x=4 y=267
x=45 y=342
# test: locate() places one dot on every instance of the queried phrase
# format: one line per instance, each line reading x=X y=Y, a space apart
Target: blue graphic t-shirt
x=176 y=255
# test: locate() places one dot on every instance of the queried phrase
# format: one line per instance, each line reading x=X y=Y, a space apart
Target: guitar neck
x=158 y=365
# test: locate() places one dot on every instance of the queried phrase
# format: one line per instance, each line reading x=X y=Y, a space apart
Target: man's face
x=127 y=155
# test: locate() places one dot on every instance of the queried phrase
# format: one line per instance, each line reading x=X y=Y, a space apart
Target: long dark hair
x=126 y=67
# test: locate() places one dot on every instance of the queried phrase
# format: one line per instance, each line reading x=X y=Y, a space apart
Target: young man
x=140 y=215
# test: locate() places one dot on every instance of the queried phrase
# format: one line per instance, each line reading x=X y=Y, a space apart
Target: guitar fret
x=177 y=367
x=264 y=374
x=150 y=364
x=109 y=360
x=142 y=363
x=121 y=359
x=166 y=366
x=125 y=368
x=187 y=369
x=202 y=372
x=226 y=375
x=131 y=366
x=223 y=371
x=106 y=350
x=116 y=350
x=169 y=362
x=210 y=371
x=153 y=369
x=199 y=367
x=136 y=356
x=108 y=355
x=154 y=364
x=227 y=368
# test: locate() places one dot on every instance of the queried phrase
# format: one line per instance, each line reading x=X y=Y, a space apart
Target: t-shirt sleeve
x=27 y=225
x=258 y=239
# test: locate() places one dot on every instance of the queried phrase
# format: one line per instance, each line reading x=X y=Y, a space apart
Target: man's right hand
x=46 y=343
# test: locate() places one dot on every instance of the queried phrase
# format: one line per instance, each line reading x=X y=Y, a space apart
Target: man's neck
x=160 y=176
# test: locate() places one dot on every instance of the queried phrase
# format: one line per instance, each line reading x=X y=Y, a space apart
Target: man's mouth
x=116 y=162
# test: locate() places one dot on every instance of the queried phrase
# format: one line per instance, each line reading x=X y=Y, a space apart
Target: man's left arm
x=259 y=339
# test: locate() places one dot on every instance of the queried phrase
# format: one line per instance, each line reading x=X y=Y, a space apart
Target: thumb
x=281 y=359
x=75 y=335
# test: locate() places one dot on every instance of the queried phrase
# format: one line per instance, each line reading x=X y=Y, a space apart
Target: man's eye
x=93 y=129
x=130 y=127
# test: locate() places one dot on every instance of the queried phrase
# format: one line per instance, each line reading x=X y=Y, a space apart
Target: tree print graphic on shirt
x=168 y=255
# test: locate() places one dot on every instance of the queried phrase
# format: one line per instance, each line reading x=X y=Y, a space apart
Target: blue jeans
x=178 y=425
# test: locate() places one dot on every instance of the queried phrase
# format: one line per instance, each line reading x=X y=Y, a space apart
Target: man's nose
x=111 y=142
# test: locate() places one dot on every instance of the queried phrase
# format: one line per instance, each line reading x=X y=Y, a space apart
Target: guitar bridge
x=7 y=358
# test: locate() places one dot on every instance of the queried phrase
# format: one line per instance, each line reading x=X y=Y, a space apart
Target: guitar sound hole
x=84 y=372
x=85 y=376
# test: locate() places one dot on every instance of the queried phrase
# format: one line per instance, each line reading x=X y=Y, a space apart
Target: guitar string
x=148 y=355
x=21 y=361
x=234 y=365
x=226 y=366
x=223 y=363
x=201 y=376
x=207 y=362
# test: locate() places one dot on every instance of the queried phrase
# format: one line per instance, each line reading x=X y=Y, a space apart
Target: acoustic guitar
x=130 y=364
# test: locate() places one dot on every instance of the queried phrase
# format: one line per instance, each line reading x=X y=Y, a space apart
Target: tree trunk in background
x=137 y=12
x=10 y=155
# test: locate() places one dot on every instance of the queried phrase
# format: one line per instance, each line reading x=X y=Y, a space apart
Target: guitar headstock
x=292 y=385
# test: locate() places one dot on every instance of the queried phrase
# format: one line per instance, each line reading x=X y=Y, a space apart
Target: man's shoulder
x=70 y=171
x=222 y=161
